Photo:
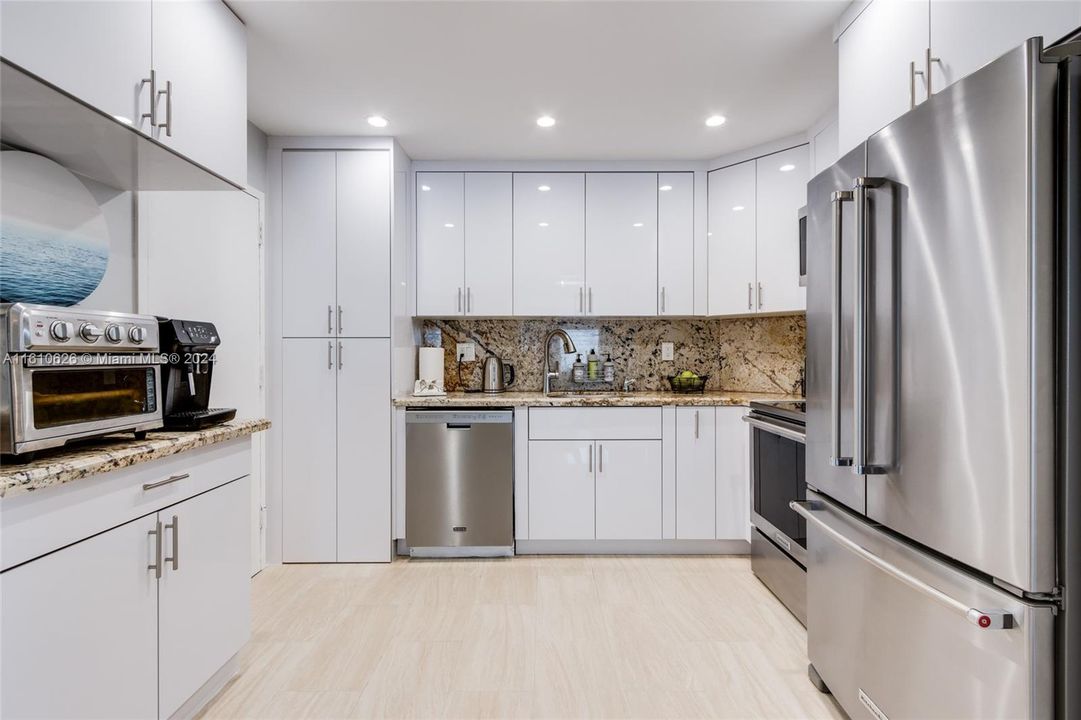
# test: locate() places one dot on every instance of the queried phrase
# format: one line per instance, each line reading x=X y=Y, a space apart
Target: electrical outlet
x=466 y=351
x=668 y=351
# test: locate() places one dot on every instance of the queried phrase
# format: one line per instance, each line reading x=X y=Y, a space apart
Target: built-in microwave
x=802 y=212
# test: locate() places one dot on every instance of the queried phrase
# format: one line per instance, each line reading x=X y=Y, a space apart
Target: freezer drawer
x=883 y=645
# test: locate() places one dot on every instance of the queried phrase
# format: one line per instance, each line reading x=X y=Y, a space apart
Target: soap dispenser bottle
x=578 y=370
x=593 y=365
x=609 y=369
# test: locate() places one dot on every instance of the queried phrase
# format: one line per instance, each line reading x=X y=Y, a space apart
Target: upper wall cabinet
x=731 y=239
x=549 y=244
x=621 y=244
x=891 y=50
x=675 y=241
x=488 y=244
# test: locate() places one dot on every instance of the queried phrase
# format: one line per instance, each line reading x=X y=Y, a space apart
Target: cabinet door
x=97 y=51
x=675 y=243
x=489 y=244
x=1003 y=25
x=65 y=613
x=629 y=490
x=873 y=57
x=733 y=475
x=621 y=244
x=440 y=244
x=696 y=475
x=308 y=243
x=204 y=599
x=549 y=244
x=201 y=48
x=364 y=481
x=561 y=492
x=309 y=457
x=363 y=248
x=732 y=239
x=782 y=191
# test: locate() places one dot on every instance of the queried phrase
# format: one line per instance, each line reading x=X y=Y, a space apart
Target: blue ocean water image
x=43 y=265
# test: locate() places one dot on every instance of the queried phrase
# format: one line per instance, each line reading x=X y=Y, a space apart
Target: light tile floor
x=529 y=637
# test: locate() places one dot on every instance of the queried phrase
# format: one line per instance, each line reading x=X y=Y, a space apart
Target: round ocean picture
x=54 y=244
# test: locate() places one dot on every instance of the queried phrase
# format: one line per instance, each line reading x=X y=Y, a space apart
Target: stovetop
x=791 y=410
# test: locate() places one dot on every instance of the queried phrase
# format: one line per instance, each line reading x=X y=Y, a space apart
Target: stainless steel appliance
x=71 y=373
x=459 y=482
x=779 y=533
x=189 y=347
x=943 y=432
x=498 y=376
x=802 y=215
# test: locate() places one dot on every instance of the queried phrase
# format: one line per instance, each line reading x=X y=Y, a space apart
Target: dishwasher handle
x=459 y=426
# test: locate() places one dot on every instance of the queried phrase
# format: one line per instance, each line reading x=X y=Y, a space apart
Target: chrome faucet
x=568 y=348
x=628 y=384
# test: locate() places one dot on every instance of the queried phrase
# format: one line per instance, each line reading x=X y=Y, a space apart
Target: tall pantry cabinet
x=335 y=391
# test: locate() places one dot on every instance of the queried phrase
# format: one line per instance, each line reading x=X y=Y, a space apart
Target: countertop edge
x=538 y=399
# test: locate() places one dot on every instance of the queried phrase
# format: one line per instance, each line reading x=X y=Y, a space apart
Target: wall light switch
x=466 y=351
x=668 y=351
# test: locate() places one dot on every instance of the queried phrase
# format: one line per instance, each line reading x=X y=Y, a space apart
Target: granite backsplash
x=757 y=354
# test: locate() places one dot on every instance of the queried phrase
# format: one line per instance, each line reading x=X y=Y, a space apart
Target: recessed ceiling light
x=788 y=168
x=448 y=225
x=377 y=121
x=542 y=224
x=715 y=120
x=425 y=188
x=737 y=208
x=665 y=188
x=543 y=188
x=639 y=224
x=546 y=121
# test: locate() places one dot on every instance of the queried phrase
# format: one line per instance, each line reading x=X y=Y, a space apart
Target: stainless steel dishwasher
x=459 y=482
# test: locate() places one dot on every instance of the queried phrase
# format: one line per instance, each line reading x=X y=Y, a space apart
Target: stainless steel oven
x=70 y=373
x=779 y=535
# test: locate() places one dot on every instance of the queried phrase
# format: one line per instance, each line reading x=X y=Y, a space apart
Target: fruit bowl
x=692 y=384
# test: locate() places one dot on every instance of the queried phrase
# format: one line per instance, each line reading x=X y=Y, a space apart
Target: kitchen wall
x=755 y=354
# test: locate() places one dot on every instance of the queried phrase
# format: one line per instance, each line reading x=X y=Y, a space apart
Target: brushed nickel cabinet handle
x=759 y=296
x=168 y=93
x=912 y=73
x=330 y=320
x=330 y=356
x=927 y=68
x=750 y=292
x=695 y=424
x=662 y=299
x=156 y=565
x=341 y=356
x=591 y=300
x=167 y=481
x=591 y=457
x=339 y=319
x=459 y=299
x=600 y=458
x=152 y=116
x=175 y=557
x=581 y=300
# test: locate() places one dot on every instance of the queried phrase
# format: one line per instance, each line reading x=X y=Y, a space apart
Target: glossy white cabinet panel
x=97 y=51
x=308 y=243
x=825 y=148
x=696 y=476
x=200 y=47
x=489 y=244
x=613 y=423
x=65 y=613
x=363 y=440
x=628 y=490
x=782 y=191
x=440 y=244
x=732 y=195
x=363 y=243
x=205 y=602
x=549 y=244
x=561 y=489
x=733 y=475
x=621 y=244
x=675 y=243
x=309 y=450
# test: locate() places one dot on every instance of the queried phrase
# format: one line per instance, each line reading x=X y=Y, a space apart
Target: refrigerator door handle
x=860 y=330
x=837 y=199
x=984 y=619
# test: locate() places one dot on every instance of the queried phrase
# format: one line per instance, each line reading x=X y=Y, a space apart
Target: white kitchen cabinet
x=363 y=243
x=204 y=595
x=696 y=476
x=200 y=49
x=781 y=190
x=440 y=244
x=549 y=244
x=731 y=237
x=621 y=244
x=675 y=243
x=309 y=237
x=488 y=244
x=561 y=490
x=97 y=51
x=628 y=490
x=733 y=475
x=363 y=451
x=64 y=613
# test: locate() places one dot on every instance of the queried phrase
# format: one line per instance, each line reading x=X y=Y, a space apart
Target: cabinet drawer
x=45 y=520
x=623 y=423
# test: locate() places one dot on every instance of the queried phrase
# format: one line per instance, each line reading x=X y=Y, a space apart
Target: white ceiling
x=467 y=80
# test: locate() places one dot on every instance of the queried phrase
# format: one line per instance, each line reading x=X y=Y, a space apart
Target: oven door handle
x=776 y=428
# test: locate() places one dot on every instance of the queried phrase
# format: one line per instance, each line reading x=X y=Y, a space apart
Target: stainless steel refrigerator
x=943 y=421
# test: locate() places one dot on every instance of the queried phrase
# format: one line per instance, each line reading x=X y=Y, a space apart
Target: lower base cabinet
x=561 y=493
x=628 y=490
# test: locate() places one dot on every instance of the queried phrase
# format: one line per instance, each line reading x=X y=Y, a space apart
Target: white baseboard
x=209 y=690
x=632 y=547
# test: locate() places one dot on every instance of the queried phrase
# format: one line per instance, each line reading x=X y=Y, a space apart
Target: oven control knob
x=61 y=331
x=137 y=334
x=90 y=332
x=114 y=333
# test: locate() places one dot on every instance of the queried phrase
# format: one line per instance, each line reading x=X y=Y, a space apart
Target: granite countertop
x=604 y=399
x=112 y=452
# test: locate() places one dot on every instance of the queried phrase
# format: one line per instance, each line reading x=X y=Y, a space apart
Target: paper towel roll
x=431 y=365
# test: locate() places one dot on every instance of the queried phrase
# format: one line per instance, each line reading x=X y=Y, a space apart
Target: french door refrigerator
x=943 y=420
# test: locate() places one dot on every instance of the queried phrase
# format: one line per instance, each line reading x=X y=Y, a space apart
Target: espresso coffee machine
x=188 y=348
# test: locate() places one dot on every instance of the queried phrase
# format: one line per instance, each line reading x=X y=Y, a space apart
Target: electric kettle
x=497 y=375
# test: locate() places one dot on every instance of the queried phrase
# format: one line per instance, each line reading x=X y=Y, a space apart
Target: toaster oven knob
x=114 y=333
x=137 y=334
x=61 y=331
x=90 y=332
